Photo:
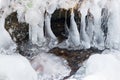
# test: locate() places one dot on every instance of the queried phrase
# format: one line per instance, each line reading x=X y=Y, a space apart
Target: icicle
x=33 y=34
x=98 y=41
x=84 y=37
x=36 y=34
x=74 y=33
x=90 y=26
x=104 y=22
x=48 y=26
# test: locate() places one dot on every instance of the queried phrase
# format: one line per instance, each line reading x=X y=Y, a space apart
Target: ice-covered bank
x=16 y=67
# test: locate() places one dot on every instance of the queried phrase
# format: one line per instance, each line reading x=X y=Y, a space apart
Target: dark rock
x=58 y=23
x=17 y=30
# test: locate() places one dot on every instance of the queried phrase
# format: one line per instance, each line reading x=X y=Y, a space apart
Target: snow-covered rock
x=103 y=67
x=16 y=67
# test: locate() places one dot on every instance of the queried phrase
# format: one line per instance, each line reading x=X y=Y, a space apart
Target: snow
x=103 y=67
x=16 y=67
x=4 y=3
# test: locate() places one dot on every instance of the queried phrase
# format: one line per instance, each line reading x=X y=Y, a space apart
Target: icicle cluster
x=99 y=21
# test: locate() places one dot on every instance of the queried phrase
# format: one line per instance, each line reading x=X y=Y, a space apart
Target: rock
x=58 y=23
x=17 y=30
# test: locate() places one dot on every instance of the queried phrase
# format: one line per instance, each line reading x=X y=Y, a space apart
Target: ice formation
x=73 y=32
x=91 y=35
x=100 y=28
x=97 y=32
x=48 y=31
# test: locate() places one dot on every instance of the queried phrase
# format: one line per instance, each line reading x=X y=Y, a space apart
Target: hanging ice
x=89 y=19
x=36 y=34
x=91 y=35
x=73 y=32
x=48 y=31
